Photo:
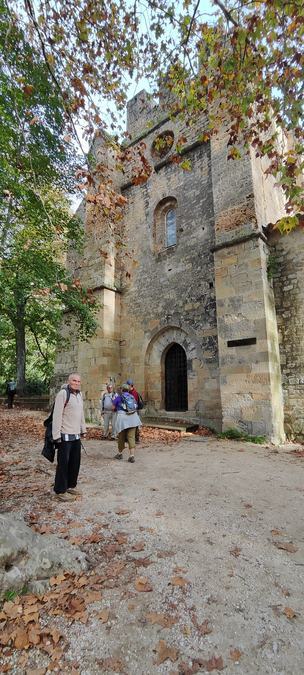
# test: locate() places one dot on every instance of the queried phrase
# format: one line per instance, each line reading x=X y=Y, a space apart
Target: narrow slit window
x=171 y=227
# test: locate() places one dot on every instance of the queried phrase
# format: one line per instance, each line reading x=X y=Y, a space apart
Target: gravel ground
x=208 y=566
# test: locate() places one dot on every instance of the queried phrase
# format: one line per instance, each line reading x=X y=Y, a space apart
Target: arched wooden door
x=176 y=381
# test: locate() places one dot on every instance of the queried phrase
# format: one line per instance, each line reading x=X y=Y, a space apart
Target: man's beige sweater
x=68 y=419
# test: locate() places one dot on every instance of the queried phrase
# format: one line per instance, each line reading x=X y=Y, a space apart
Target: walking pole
x=81 y=443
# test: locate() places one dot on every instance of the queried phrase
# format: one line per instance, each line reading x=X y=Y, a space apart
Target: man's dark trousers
x=68 y=465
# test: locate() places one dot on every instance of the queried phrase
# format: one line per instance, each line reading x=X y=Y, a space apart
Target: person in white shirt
x=67 y=427
x=109 y=416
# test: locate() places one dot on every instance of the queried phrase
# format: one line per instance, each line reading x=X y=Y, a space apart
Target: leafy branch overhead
x=241 y=63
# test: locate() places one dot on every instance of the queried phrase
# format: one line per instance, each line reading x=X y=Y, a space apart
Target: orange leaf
x=56 y=581
x=164 y=652
x=161 y=619
x=235 y=654
x=143 y=585
x=103 y=616
x=121 y=538
x=290 y=613
x=21 y=640
x=179 y=581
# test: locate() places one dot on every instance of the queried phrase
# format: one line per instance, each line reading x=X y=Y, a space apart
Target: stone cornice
x=238 y=240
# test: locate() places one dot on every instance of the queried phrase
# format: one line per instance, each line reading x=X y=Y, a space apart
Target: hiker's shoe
x=65 y=497
x=74 y=491
x=131 y=459
x=118 y=456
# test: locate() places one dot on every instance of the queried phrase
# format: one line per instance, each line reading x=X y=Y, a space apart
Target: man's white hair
x=72 y=376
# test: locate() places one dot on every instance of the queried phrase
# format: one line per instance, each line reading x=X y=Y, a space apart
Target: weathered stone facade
x=194 y=288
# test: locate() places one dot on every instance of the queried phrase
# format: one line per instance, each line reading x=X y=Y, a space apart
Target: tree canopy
x=236 y=60
x=37 y=169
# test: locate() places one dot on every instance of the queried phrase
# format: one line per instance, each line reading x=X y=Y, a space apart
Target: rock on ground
x=28 y=559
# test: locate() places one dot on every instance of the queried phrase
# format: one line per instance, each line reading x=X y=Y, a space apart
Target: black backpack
x=141 y=403
x=48 y=450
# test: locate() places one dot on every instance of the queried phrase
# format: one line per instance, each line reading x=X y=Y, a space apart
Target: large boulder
x=28 y=559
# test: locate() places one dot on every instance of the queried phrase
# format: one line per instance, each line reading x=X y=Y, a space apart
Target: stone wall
x=169 y=296
x=287 y=271
x=250 y=378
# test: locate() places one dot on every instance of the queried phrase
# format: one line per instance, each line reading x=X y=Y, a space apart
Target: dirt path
x=196 y=557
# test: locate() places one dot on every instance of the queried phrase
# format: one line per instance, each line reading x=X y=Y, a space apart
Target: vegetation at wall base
x=236 y=435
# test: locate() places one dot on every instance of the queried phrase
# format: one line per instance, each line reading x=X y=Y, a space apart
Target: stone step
x=169 y=425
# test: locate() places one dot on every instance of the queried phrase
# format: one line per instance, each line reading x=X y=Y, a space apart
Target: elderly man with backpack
x=126 y=422
x=106 y=409
x=68 y=425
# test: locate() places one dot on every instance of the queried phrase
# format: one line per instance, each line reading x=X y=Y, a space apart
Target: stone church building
x=201 y=303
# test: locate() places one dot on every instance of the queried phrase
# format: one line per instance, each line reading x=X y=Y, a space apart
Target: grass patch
x=236 y=435
x=11 y=595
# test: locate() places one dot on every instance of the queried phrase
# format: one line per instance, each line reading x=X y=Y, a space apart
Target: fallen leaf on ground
x=165 y=652
x=28 y=618
x=165 y=554
x=277 y=533
x=159 y=513
x=12 y=610
x=235 y=654
x=55 y=581
x=203 y=628
x=115 y=568
x=21 y=640
x=164 y=620
x=214 y=663
x=103 y=616
x=121 y=538
x=112 y=664
x=290 y=613
x=92 y=596
x=143 y=585
x=139 y=546
x=179 y=581
x=122 y=512
x=235 y=551
x=141 y=562
x=286 y=546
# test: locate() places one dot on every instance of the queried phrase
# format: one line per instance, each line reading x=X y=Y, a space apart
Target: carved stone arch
x=155 y=364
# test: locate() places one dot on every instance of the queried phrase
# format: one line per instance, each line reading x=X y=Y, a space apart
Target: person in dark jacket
x=11 y=390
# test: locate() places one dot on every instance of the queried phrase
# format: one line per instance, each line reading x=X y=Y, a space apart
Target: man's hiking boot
x=131 y=459
x=74 y=491
x=65 y=497
x=118 y=456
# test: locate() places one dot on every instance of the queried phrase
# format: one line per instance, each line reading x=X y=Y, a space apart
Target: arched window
x=164 y=231
x=176 y=379
x=171 y=227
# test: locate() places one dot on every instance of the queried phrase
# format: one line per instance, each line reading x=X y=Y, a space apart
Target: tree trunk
x=20 y=347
